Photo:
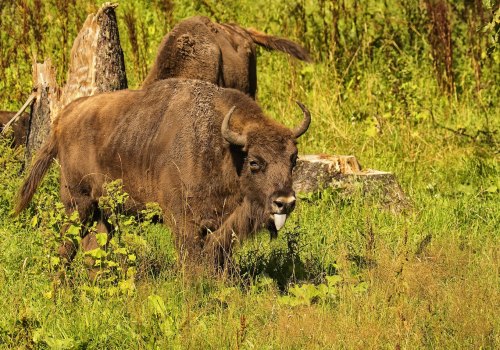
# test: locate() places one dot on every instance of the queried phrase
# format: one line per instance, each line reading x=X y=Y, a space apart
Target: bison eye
x=254 y=166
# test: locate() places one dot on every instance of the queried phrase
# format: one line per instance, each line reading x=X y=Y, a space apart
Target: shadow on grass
x=284 y=265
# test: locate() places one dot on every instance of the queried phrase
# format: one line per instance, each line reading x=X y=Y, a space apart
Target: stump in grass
x=97 y=65
x=46 y=93
x=320 y=171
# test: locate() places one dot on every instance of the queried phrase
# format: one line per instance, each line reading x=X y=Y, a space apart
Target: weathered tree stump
x=110 y=64
x=46 y=93
x=97 y=65
x=321 y=171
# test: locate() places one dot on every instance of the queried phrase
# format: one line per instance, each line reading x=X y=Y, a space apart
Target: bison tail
x=38 y=169
x=279 y=44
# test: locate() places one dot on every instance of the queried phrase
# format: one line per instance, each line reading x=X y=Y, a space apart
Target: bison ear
x=230 y=136
x=300 y=129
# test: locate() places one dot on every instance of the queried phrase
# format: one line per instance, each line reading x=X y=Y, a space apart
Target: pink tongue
x=279 y=221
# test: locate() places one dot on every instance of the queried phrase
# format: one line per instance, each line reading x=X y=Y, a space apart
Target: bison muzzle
x=219 y=168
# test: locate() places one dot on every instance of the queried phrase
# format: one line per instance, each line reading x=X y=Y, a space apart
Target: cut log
x=97 y=65
x=321 y=171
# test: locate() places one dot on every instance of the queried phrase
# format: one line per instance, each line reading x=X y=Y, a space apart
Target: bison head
x=270 y=153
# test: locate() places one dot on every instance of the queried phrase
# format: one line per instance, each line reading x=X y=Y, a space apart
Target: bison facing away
x=19 y=127
x=219 y=168
x=219 y=53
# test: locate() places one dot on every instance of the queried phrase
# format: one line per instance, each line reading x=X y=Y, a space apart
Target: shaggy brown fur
x=166 y=144
x=219 y=53
x=19 y=127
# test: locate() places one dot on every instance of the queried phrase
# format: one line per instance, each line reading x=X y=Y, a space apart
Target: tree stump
x=321 y=171
x=47 y=94
x=110 y=64
x=97 y=65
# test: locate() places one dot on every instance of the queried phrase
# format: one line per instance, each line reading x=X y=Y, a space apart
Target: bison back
x=161 y=141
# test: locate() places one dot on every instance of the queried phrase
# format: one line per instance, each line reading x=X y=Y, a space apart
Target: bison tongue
x=279 y=221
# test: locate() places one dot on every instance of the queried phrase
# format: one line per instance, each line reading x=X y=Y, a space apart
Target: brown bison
x=19 y=127
x=219 y=168
x=219 y=53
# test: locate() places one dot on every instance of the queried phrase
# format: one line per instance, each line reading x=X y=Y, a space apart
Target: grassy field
x=387 y=87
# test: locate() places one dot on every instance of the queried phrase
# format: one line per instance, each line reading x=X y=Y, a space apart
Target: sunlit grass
x=430 y=274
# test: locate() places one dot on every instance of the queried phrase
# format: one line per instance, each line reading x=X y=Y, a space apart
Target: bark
x=97 y=65
x=110 y=64
x=321 y=171
x=46 y=94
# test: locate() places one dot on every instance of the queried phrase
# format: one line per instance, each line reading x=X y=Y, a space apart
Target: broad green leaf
x=157 y=305
x=323 y=290
x=73 y=230
x=333 y=280
x=360 y=288
x=121 y=251
x=74 y=216
x=97 y=253
x=60 y=344
x=492 y=189
x=102 y=238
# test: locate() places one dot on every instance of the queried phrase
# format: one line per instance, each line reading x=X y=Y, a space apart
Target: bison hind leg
x=88 y=213
x=68 y=249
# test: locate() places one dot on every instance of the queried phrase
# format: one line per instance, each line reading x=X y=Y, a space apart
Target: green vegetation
x=406 y=86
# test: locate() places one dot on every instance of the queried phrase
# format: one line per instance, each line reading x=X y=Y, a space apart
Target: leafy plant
x=117 y=255
x=493 y=26
x=307 y=294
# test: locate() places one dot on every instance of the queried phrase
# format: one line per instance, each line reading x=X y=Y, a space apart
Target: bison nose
x=283 y=205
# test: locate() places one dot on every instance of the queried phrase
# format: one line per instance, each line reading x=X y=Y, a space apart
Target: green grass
x=427 y=277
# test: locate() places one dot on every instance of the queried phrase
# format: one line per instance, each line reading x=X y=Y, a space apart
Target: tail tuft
x=279 y=44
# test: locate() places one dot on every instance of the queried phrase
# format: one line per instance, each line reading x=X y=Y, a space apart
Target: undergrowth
x=387 y=86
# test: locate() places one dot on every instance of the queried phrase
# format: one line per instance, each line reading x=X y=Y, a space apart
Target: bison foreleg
x=67 y=251
x=218 y=246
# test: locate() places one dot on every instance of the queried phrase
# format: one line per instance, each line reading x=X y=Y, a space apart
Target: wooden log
x=320 y=171
x=97 y=65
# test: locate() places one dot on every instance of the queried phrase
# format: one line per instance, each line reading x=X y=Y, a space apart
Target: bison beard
x=219 y=168
x=219 y=53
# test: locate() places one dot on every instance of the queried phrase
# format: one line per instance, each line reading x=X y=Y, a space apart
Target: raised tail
x=280 y=44
x=38 y=169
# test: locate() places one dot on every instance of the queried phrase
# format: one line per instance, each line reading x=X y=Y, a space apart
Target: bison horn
x=232 y=137
x=300 y=129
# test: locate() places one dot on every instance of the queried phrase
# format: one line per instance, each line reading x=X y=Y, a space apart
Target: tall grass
x=386 y=86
